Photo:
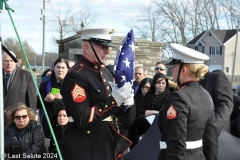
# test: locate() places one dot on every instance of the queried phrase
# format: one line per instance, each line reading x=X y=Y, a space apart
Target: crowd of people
x=86 y=108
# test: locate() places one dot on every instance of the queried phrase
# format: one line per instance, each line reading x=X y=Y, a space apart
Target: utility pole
x=35 y=60
x=235 y=50
x=43 y=40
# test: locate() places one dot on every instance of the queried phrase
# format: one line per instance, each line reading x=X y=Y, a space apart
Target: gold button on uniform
x=106 y=106
x=101 y=73
x=107 y=87
x=98 y=90
x=96 y=67
x=109 y=95
x=112 y=102
x=88 y=132
x=100 y=110
x=104 y=80
x=81 y=65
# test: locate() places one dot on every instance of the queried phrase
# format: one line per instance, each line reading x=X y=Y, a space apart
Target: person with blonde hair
x=187 y=118
x=23 y=135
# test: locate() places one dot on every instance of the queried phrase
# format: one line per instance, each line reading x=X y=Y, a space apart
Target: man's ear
x=184 y=70
x=86 y=48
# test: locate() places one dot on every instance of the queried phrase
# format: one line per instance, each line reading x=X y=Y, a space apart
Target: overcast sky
x=112 y=14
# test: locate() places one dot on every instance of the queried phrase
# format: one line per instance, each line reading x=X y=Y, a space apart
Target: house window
x=200 y=49
x=218 y=50
x=215 y=50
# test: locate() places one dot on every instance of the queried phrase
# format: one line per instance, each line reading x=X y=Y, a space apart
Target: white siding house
x=219 y=45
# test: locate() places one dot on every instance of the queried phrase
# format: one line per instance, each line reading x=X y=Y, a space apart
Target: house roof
x=197 y=38
x=222 y=35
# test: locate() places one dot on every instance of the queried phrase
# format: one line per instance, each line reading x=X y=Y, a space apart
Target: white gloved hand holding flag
x=121 y=94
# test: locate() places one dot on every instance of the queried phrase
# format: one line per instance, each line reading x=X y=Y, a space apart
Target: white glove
x=130 y=100
x=121 y=94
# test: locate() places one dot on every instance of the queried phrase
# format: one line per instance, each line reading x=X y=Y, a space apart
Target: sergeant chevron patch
x=171 y=112
x=78 y=93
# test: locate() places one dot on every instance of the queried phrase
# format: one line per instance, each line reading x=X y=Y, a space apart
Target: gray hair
x=4 y=54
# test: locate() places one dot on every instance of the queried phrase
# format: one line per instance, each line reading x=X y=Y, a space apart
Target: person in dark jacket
x=59 y=119
x=143 y=88
x=220 y=89
x=140 y=124
x=18 y=86
x=155 y=97
x=91 y=102
x=50 y=92
x=235 y=117
x=187 y=119
x=139 y=76
x=23 y=135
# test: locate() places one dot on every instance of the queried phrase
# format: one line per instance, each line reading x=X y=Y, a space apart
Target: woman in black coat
x=142 y=90
x=50 y=92
x=59 y=119
x=156 y=96
x=24 y=136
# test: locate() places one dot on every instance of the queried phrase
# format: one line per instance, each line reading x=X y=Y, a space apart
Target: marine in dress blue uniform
x=92 y=103
x=186 y=120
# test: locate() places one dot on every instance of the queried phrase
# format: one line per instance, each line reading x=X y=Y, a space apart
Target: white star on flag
x=123 y=78
x=127 y=63
x=132 y=46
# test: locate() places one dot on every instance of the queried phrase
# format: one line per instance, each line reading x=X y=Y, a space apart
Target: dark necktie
x=6 y=81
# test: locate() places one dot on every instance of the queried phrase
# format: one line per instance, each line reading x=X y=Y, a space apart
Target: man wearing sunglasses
x=160 y=68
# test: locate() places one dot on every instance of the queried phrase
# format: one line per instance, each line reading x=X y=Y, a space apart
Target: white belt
x=189 y=145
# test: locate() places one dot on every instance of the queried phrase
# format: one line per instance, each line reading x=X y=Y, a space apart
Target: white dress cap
x=99 y=33
x=182 y=54
x=100 y=36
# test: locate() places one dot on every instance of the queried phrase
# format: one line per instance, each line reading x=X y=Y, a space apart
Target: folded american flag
x=124 y=62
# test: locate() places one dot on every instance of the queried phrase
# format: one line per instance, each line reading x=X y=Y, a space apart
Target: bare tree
x=147 y=24
x=67 y=23
x=60 y=23
x=13 y=45
x=195 y=11
x=231 y=11
x=181 y=21
x=175 y=20
x=84 y=18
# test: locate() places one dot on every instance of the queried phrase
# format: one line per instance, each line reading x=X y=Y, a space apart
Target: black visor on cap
x=175 y=61
x=102 y=42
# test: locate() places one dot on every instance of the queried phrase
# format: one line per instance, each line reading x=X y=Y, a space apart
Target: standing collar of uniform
x=89 y=64
x=187 y=83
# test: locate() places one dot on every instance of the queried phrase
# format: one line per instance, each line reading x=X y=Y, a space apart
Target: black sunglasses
x=161 y=69
x=19 y=117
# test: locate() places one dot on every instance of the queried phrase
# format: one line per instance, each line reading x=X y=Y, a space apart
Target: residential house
x=219 y=45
